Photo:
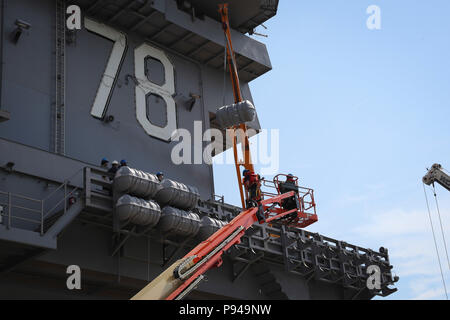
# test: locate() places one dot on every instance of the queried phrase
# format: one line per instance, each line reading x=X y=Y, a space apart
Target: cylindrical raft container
x=178 y=195
x=138 y=211
x=235 y=114
x=209 y=226
x=137 y=183
x=179 y=222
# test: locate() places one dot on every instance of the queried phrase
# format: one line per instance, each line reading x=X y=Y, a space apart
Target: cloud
x=348 y=200
x=419 y=285
x=408 y=237
x=395 y=223
x=431 y=294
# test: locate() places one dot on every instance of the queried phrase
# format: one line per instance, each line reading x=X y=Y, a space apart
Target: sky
x=361 y=114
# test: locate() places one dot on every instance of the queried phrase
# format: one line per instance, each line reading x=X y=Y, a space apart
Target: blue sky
x=362 y=114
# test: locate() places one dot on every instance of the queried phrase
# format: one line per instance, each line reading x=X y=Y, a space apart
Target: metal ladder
x=59 y=114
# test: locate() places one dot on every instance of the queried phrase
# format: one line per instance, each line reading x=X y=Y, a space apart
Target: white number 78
x=144 y=87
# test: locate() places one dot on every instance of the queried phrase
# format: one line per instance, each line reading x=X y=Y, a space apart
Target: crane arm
x=175 y=282
x=231 y=59
x=436 y=174
x=184 y=275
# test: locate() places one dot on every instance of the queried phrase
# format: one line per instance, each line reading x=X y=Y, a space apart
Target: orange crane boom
x=185 y=274
x=247 y=162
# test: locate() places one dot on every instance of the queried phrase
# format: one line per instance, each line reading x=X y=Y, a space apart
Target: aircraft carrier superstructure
x=117 y=87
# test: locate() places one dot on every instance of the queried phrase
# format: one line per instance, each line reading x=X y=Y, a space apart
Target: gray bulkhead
x=28 y=94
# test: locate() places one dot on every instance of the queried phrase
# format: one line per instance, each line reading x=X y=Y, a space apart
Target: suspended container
x=235 y=114
x=179 y=222
x=138 y=211
x=209 y=226
x=137 y=183
x=178 y=195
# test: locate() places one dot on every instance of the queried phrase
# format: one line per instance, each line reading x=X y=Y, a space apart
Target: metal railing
x=218 y=198
x=9 y=206
x=305 y=195
x=39 y=205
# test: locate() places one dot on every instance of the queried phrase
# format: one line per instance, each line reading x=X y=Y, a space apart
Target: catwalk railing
x=17 y=207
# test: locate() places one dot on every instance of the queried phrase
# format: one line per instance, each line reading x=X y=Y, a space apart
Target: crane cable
x=442 y=229
x=224 y=69
x=435 y=242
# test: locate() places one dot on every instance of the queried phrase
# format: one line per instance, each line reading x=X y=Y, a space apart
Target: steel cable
x=435 y=242
x=442 y=228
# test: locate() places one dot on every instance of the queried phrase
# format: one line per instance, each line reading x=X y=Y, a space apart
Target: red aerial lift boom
x=185 y=274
